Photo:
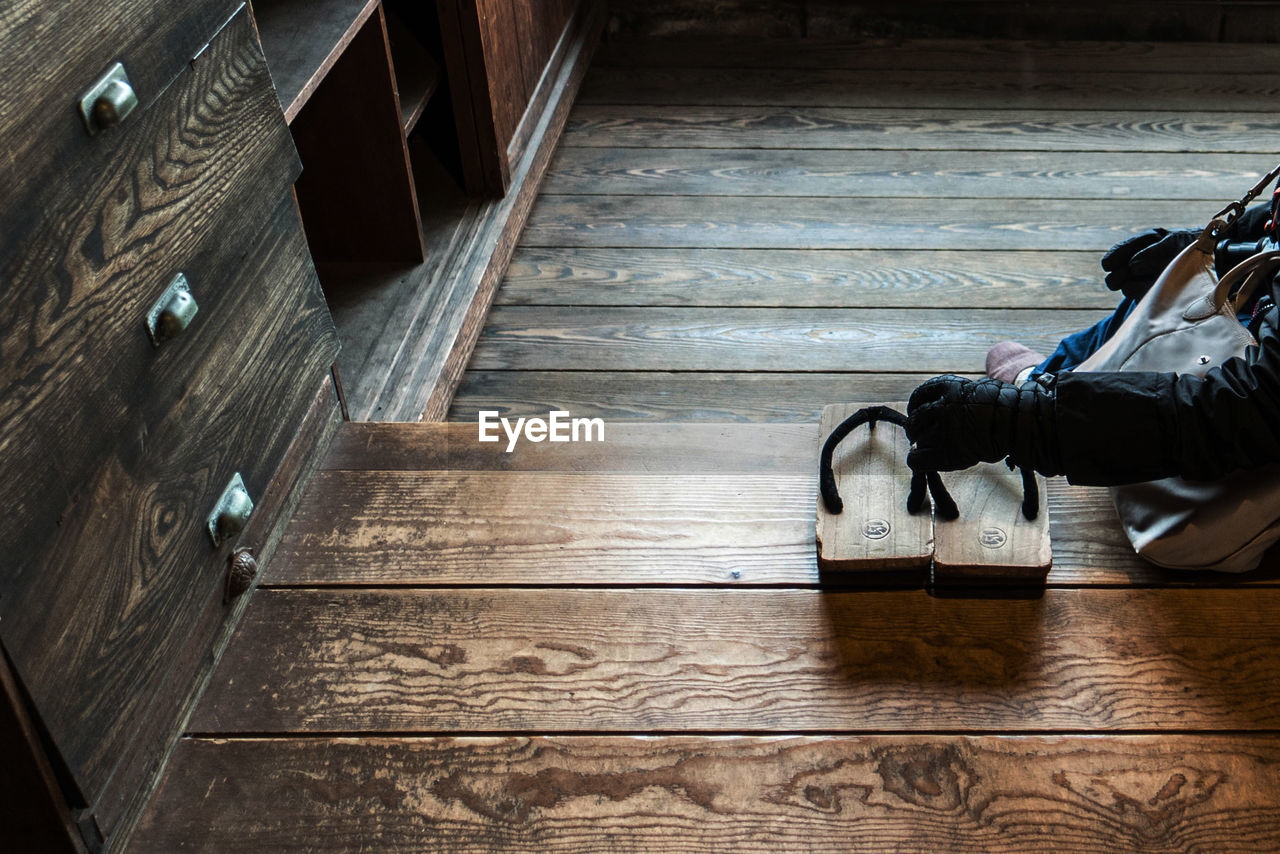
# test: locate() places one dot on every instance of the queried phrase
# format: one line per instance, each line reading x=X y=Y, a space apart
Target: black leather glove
x=956 y=423
x=1133 y=265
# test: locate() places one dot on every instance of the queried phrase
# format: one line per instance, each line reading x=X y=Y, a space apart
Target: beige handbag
x=1187 y=323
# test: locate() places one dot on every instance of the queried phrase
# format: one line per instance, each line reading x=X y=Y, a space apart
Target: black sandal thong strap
x=944 y=505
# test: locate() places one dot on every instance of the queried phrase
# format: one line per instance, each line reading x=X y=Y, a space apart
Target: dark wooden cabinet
x=508 y=49
x=116 y=446
x=116 y=450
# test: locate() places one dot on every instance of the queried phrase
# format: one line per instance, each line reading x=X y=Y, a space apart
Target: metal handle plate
x=109 y=101
x=231 y=512
x=173 y=312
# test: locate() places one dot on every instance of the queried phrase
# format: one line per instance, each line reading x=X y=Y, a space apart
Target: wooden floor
x=627 y=646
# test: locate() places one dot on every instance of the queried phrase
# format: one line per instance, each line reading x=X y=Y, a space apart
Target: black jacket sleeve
x=1116 y=428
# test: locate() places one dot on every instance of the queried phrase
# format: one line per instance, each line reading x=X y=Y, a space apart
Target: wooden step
x=572 y=795
x=703 y=504
x=517 y=660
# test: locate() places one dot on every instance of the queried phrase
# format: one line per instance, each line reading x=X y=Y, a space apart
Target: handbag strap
x=1224 y=218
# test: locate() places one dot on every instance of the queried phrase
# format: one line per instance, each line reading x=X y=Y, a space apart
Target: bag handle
x=1249 y=273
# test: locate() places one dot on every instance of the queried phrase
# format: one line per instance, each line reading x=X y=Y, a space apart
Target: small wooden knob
x=241 y=570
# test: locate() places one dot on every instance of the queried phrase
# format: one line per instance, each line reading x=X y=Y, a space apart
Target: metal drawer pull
x=173 y=312
x=109 y=101
x=241 y=569
x=231 y=512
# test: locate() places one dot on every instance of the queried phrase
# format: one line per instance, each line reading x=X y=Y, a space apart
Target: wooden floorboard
x=907 y=174
x=662 y=504
x=663 y=396
x=627 y=645
x=766 y=222
x=947 y=128
x=908 y=794
x=1207 y=91
x=758 y=339
x=619 y=660
x=814 y=278
x=954 y=55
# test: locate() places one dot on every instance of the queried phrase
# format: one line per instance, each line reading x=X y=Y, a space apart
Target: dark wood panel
x=759 y=339
x=803 y=223
x=417 y=74
x=774 y=278
x=908 y=794
x=33 y=809
x=764 y=660
x=646 y=19
x=50 y=53
x=196 y=178
x=940 y=54
x=995 y=129
x=303 y=39
x=214 y=624
x=659 y=396
x=908 y=174
x=1134 y=20
x=1209 y=91
x=356 y=190
x=104 y=631
x=508 y=84
x=422 y=383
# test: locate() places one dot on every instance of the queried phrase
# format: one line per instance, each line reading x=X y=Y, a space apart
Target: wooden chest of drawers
x=116 y=450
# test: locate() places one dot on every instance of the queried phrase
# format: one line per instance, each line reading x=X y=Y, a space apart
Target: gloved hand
x=956 y=423
x=1133 y=265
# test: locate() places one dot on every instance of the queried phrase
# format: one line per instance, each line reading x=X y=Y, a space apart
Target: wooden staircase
x=627 y=646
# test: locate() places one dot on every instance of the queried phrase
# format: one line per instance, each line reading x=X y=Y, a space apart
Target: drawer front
x=194 y=181
x=51 y=52
x=131 y=597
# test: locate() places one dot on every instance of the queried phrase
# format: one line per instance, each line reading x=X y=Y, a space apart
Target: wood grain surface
x=49 y=56
x=873 y=537
x=109 y=670
x=76 y=363
x=817 y=278
x=938 y=54
x=1213 y=91
x=619 y=660
x=992 y=540
x=909 y=794
x=385 y=512
x=843 y=223
x=944 y=128
x=908 y=174
x=675 y=396
x=758 y=339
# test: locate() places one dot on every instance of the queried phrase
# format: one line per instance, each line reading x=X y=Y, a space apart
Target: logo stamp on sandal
x=992 y=538
x=875 y=529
